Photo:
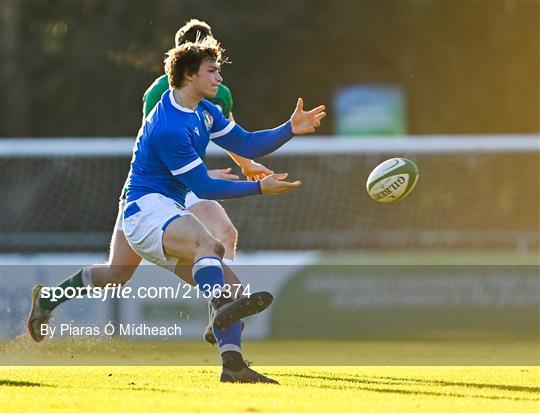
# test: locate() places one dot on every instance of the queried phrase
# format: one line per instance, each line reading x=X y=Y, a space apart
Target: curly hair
x=186 y=59
x=192 y=31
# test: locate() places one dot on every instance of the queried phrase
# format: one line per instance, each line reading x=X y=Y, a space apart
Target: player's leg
x=123 y=260
x=122 y=263
x=216 y=220
x=214 y=217
x=162 y=232
x=188 y=239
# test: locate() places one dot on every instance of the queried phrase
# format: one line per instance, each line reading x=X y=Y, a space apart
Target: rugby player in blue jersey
x=123 y=261
x=167 y=163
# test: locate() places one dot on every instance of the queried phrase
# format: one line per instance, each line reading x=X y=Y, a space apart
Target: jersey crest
x=208 y=120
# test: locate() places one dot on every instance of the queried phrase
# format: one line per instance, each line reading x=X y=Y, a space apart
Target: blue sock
x=230 y=339
x=207 y=273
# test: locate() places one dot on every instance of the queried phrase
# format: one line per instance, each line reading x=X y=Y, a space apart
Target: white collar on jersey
x=177 y=105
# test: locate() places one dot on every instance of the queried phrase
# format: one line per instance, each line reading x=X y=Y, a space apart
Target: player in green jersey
x=123 y=261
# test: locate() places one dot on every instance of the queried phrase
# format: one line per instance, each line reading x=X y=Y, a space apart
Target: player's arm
x=250 y=168
x=251 y=145
x=180 y=157
x=205 y=187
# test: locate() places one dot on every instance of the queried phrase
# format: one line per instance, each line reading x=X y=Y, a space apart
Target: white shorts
x=144 y=222
x=191 y=199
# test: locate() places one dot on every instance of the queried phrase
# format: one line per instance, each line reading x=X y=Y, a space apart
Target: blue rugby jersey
x=170 y=146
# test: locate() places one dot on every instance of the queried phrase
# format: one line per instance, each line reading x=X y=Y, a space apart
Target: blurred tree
x=80 y=68
x=12 y=72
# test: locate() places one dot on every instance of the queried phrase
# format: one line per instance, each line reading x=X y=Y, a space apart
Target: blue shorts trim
x=131 y=210
x=168 y=222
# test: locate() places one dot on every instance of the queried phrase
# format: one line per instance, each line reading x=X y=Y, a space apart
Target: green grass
x=114 y=384
x=438 y=372
x=302 y=389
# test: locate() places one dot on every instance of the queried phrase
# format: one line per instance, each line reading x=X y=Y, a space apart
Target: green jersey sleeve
x=224 y=100
x=153 y=94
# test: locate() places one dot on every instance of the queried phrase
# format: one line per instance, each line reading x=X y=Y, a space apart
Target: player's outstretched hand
x=255 y=171
x=274 y=184
x=303 y=122
x=222 y=174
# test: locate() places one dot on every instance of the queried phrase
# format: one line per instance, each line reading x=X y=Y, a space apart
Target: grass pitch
x=303 y=388
x=479 y=374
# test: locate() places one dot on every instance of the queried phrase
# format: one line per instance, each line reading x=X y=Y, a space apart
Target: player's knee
x=219 y=249
x=211 y=246
x=219 y=223
x=228 y=235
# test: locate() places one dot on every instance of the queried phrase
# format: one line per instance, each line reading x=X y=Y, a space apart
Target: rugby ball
x=392 y=180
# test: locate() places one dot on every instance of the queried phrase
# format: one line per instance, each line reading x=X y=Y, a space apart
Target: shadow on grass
x=9 y=382
x=514 y=388
x=390 y=381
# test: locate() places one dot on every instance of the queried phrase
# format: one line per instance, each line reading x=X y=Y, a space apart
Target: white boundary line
x=314 y=145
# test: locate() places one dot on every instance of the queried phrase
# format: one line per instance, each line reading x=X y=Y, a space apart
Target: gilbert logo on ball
x=392 y=180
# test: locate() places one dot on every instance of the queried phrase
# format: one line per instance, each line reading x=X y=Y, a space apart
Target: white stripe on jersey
x=187 y=167
x=226 y=130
